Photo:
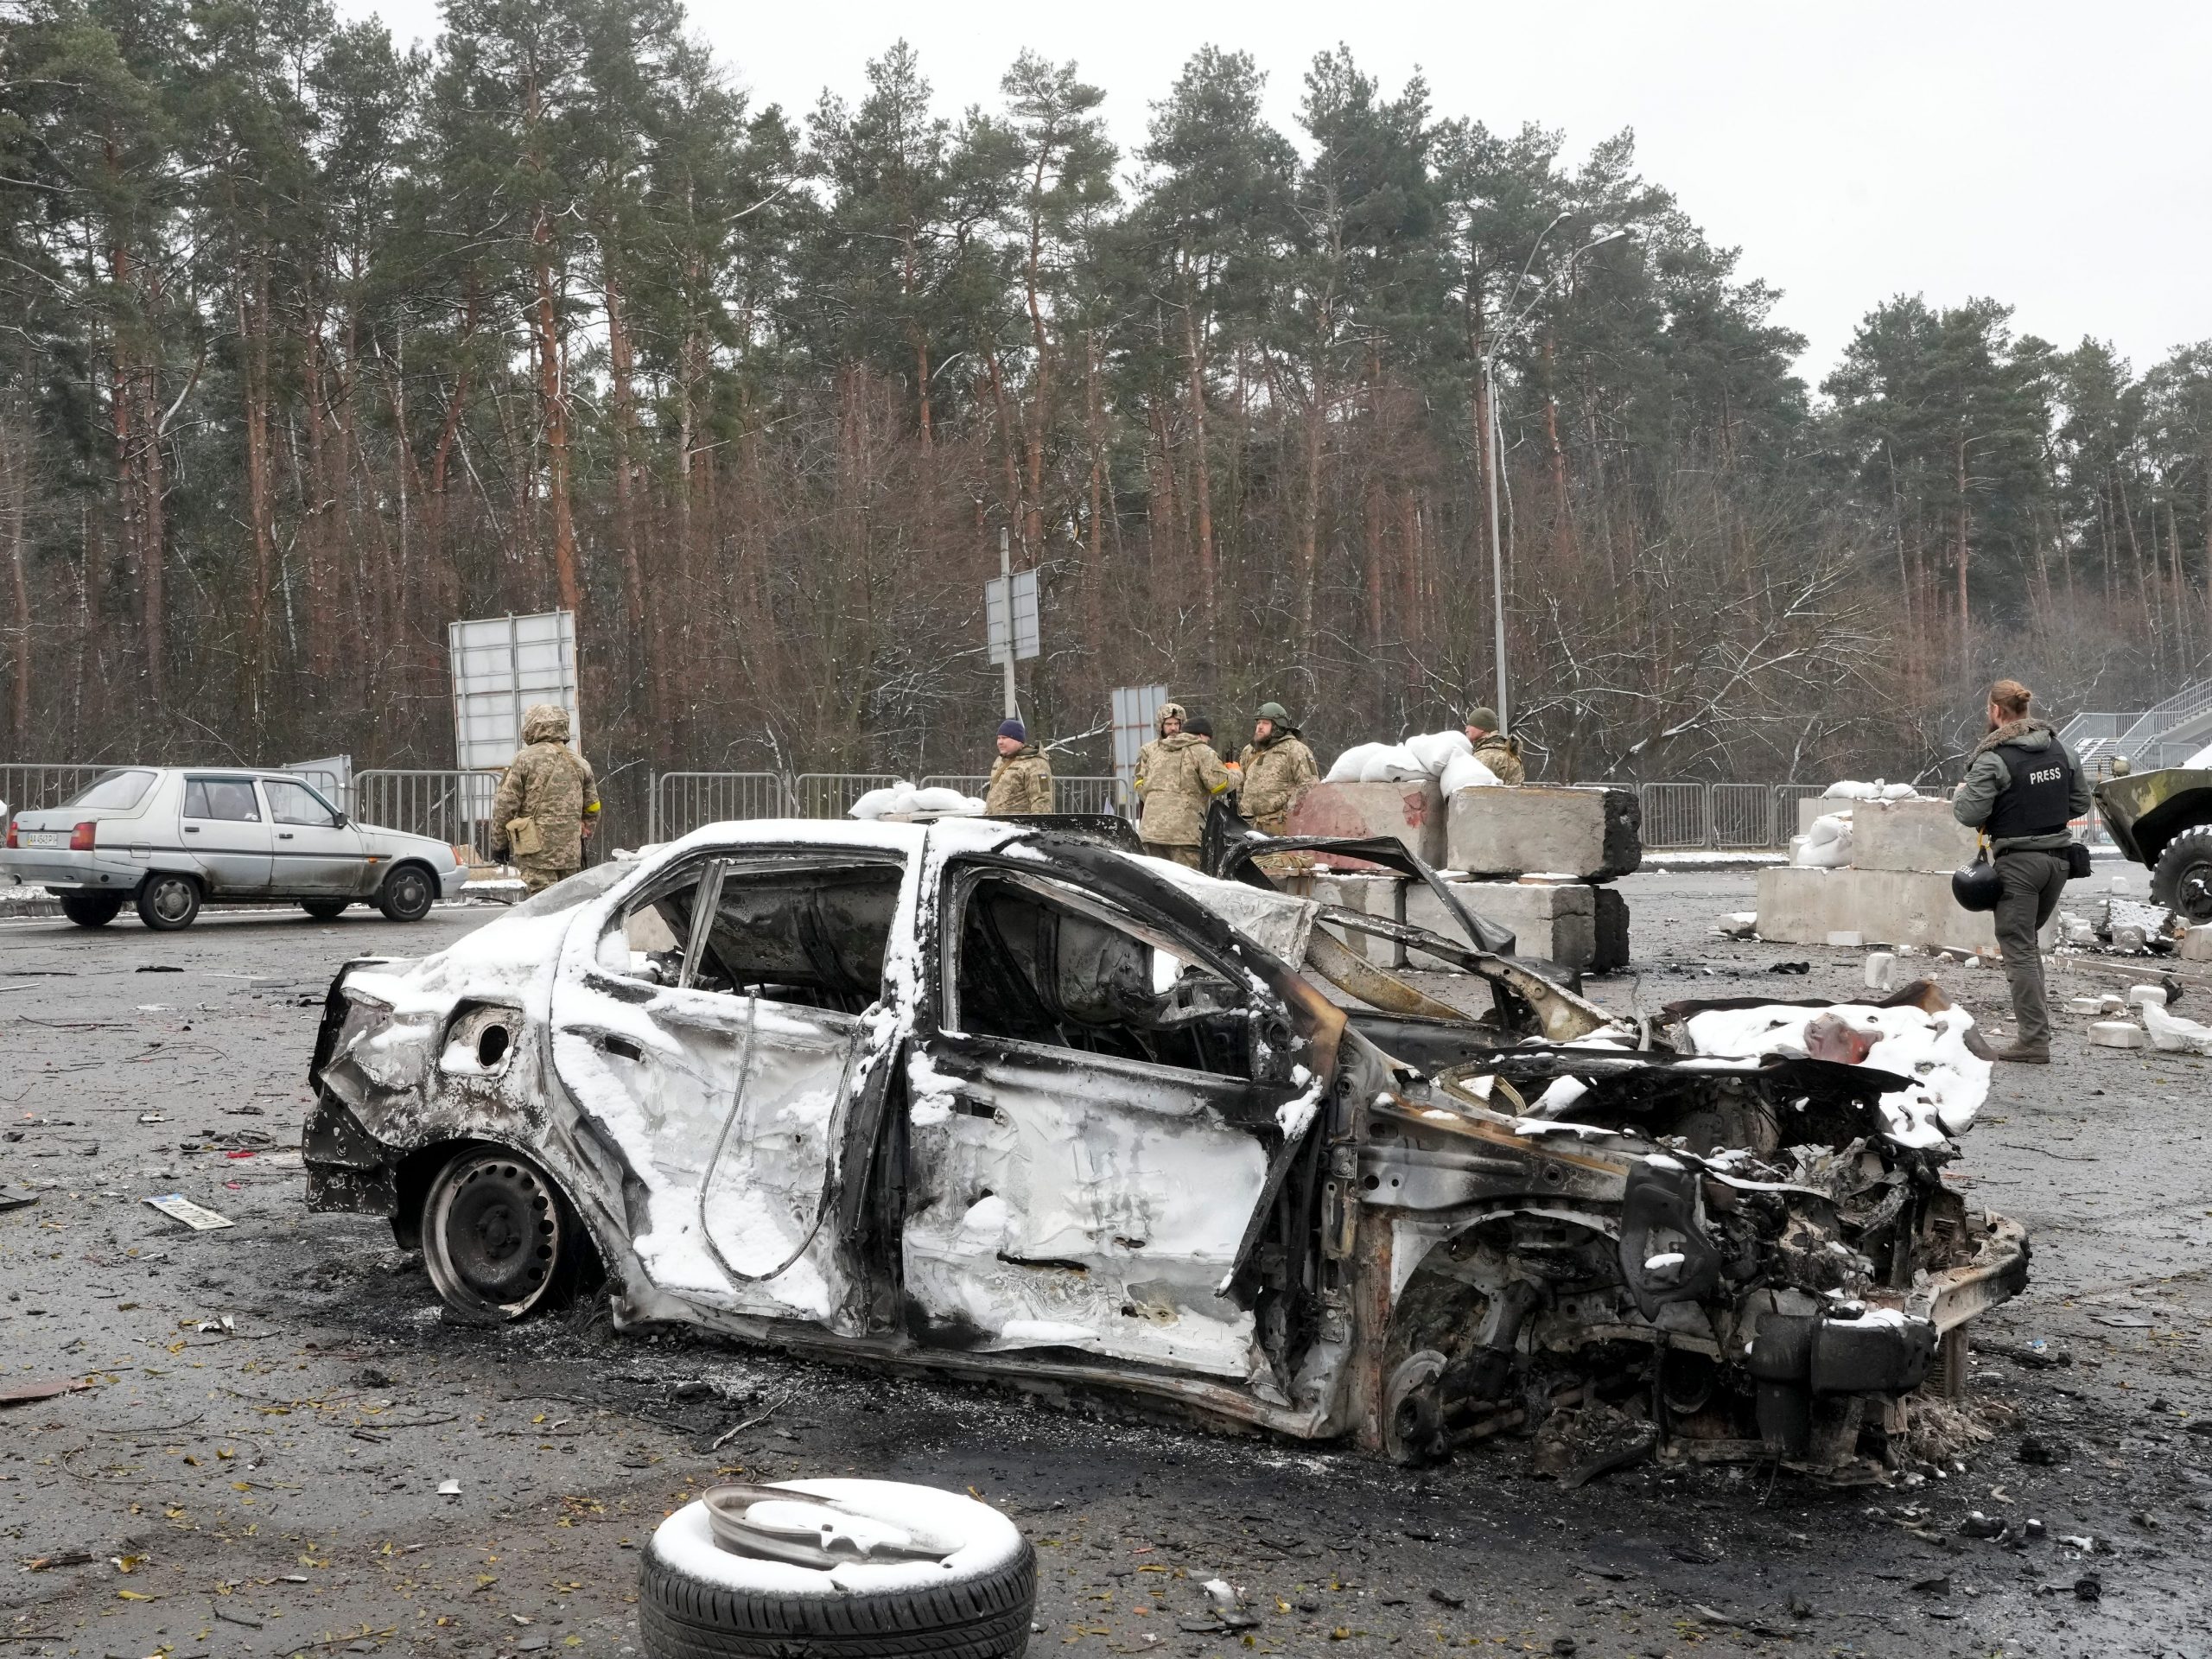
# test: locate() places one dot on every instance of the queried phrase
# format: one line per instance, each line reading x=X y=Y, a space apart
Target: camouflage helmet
x=1276 y=713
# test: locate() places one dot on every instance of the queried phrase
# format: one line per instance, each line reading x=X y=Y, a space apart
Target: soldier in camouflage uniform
x=1277 y=767
x=1177 y=776
x=1494 y=748
x=547 y=802
x=1021 y=777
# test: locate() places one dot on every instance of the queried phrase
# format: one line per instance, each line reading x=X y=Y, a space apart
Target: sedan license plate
x=41 y=837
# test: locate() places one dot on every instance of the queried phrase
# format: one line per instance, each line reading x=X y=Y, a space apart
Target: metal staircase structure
x=2165 y=735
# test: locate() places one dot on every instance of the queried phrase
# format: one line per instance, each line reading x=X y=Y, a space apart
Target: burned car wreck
x=1012 y=1100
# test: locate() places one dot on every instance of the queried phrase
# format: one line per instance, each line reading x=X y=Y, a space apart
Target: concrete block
x=1412 y=814
x=1881 y=970
x=1917 y=835
x=1587 y=833
x=2118 y=1033
x=2194 y=945
x=1887 y=907
x=1612 y=931
x=2138 y=994
x=1556 y=921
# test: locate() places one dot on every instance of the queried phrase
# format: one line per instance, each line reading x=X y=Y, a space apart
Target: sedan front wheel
x=407 y=894
x=498 y=1240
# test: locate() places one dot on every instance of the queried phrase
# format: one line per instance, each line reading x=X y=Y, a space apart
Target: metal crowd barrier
x=1078 y=793
x=448 y=805
x=1674 y=816
x=831 y=794
x=679 y=801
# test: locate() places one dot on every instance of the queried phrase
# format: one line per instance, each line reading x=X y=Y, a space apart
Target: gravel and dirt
x=251 y=1460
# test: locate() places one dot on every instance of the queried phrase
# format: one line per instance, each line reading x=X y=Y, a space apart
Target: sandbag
x=941 y=798
x=1393 y=763
x=1434 y=750
x=1828 y=827
x=1348 y=767
x=1465 y=771
x=880 y=803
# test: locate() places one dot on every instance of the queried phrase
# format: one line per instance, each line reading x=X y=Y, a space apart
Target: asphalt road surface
x=253 y=1465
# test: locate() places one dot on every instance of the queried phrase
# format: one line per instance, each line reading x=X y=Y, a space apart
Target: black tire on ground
x=168 y=901
x=323 y=909
x=407 y=893
x=2181 y=879
x=499 y=1241
x=92 y=909
x=978 y=1611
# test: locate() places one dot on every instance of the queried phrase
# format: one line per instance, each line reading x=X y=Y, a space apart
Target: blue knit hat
x=1015 y=729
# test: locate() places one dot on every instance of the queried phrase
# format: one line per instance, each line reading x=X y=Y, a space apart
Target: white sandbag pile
x=903 y=800
x=1825 y=845
x=1446 y=757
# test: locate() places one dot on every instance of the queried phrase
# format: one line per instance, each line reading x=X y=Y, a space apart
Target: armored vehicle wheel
x=2182 y=880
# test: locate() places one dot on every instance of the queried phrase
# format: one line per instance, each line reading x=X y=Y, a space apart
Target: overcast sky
x=2054 y=157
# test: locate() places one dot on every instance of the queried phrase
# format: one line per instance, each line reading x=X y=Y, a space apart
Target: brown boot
x=2026 y=1053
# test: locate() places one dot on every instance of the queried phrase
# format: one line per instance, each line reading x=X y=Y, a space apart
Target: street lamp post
x=1494 y=439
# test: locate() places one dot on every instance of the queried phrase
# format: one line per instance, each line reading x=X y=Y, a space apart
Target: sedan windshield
x=116 y=791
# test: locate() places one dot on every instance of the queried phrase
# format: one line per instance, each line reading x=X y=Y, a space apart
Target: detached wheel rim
x=171 y=900
x=493 y=1236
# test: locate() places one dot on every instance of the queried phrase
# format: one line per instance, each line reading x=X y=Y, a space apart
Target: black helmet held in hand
x=1976 y=886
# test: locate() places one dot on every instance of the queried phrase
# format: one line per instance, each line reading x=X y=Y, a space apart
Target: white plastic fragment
x=1881 y=969
x=2118 y=1034
x=2171 y=1033
x=448 y=1488
x=1738 y=924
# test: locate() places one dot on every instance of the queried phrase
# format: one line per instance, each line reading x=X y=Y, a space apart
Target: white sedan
x=173 y=838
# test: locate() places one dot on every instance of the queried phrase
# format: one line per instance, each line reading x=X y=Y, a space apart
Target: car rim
x=172 y=901
x=409 y=894
x=495 y=1238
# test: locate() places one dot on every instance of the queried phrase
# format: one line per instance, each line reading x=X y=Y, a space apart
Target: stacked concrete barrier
x=1897 y=889
x=1535 y=860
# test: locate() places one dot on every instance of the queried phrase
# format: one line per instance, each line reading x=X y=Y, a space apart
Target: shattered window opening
x=800 y=933
x=1037 y=961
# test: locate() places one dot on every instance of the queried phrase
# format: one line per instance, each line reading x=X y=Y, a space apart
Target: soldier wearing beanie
x=1021 y=777
x=1494 y=748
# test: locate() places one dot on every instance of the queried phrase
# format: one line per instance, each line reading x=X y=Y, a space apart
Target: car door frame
x=867 y=1068
x=1314 y=1026
x=282 y=883
x=214 y=876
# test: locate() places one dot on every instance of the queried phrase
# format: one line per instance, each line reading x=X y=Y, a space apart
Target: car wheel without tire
x=407 y=894
x=699 y=1600
x=498 y=1241
x=92 y=909
x=323 y=909
x=168 y=901
x=2181 y=879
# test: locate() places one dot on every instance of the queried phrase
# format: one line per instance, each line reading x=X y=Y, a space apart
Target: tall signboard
x=501 y=665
